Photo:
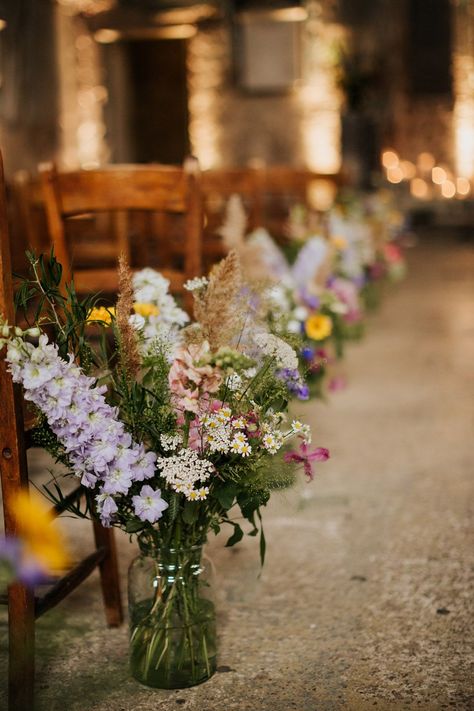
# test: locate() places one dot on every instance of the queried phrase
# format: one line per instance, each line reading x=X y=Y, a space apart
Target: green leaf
x=236 y=536
x=263 y=543
x=226 y=495
x=190 y=512
x=134 y=525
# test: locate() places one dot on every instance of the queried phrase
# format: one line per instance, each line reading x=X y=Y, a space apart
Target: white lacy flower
x=277 y=348
x=183 y=470
x=170 y=442
x=196 y=284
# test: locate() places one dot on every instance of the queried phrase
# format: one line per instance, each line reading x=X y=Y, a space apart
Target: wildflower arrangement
x=168 y=442
x=176 y=442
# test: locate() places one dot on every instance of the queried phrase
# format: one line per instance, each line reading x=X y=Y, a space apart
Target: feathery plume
x=217 y=308
x=234 y=226
x=127 y=336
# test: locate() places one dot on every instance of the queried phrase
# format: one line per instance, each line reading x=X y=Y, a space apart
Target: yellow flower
x=101 y=313
x=37 y=529
x=318 y=327
x=146 y=310
x=340 y=243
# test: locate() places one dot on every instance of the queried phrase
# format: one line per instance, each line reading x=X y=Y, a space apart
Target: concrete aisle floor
x=364 y=600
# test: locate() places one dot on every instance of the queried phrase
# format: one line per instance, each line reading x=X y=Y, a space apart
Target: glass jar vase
x=172 y=617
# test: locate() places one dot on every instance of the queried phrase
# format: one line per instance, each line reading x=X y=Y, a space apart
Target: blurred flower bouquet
x=168 y=429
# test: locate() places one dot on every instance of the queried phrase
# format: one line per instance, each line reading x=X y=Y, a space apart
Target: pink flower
x=392 y=253
x=337 y=383
x=346 y=291
x=190 y=382
x=306 y=457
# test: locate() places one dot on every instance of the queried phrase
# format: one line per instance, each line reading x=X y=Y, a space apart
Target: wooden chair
x=31 y=229
x=120 y=191
x=23 y=606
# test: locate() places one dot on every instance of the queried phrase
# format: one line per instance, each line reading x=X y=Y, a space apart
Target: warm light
x=284 y=14
x=448 y=189
x=3 y=24
x=107 y=36
x=463 y=186
x=426 y=161
x=408 y=169
x=321 y=194
x=438 y=175
x=389 y=159
x=321 y=140
x=394 y=175
x=419 y=188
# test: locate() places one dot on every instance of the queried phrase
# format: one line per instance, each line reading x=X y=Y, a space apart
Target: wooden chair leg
x=109 y=575
x=21 y=670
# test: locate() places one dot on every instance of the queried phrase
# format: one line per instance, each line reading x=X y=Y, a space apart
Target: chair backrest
x=117 y=194
x=13 y=465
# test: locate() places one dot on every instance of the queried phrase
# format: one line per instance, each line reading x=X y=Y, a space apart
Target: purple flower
x=294 y=383
x=149 y=505
x=98 y=446
x=22 y=567
x=306 y=457
x=106 y=508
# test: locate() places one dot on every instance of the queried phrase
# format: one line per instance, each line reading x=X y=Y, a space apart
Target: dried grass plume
x=219 y=309
x=128 y=346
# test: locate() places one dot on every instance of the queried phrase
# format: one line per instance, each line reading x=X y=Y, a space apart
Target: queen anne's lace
x=271 y=345
x=184 y=470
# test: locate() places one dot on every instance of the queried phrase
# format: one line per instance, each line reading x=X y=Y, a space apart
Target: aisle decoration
x=324 y=276
x=169 y=443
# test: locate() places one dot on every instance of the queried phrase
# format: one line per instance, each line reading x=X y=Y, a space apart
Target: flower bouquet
x=173 y=432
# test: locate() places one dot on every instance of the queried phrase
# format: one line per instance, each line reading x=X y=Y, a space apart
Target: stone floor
x=365 y=598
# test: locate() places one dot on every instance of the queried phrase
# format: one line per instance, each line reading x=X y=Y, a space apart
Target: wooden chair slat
x=69 y=582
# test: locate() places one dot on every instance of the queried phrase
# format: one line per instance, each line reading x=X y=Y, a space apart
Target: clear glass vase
x=172 y=617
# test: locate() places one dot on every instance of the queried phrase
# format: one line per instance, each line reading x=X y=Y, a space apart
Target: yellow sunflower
x=318 y=327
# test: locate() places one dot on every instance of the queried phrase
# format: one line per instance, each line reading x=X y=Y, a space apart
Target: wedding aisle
x=363 y=602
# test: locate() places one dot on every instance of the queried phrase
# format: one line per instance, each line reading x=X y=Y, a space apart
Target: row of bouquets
x=324 y=277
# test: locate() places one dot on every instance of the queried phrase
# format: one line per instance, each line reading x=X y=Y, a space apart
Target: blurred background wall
x=322 y=83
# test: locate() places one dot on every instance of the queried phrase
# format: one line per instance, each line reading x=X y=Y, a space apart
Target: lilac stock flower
x=149 y=505
x=96 y=442
x=106 y=507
